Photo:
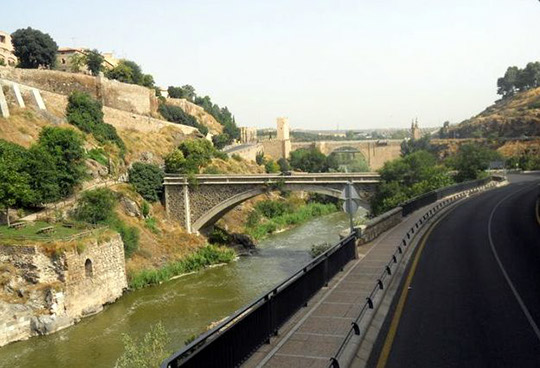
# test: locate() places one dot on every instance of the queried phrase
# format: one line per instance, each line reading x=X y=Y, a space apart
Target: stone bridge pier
x=201 y=200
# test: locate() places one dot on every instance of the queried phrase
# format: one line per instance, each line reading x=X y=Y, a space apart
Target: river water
x=185 y=306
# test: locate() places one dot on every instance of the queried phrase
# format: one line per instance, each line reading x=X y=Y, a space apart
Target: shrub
x=271 y=167
x=318 y=249
x=146 y=353
x=95 y=206
x=219 y=236
x=271 y=209
x=147 y=179
x=259 y=158
x=145 y=209
x=221 y=140
x=237 y=157
x=283 y=165
x=130 y=236
x=176 y=115
x=253 y=218
x=151 y=224
x=86 y=113
x=99 y=155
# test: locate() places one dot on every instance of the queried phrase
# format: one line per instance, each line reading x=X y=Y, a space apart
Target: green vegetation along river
x=185 y=306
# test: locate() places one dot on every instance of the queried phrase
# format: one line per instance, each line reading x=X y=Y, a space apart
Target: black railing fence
x=234 y=340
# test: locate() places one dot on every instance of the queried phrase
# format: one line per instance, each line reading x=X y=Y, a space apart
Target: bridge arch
x=211 y=216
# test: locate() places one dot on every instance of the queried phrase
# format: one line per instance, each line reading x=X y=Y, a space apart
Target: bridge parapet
x=199 y=201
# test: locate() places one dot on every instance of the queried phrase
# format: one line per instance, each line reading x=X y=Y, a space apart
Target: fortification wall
x=46 y=293
x=248 y=152
x=123 y=96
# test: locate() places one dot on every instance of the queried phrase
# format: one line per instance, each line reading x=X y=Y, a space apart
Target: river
x=185 y=306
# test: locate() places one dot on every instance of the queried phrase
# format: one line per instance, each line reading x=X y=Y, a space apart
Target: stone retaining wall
x=378 y=225
x=43 y=293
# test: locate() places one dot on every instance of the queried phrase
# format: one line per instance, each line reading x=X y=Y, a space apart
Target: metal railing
x=234 y=340
x=462 y=190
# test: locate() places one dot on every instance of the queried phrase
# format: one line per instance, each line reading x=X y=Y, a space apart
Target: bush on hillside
x=147 y=179
x=128 y=71
x=95 y=206
x=312 y=160
x=86 y=113
x=175 y=114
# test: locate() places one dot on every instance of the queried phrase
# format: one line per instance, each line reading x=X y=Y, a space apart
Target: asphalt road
x=474 y=297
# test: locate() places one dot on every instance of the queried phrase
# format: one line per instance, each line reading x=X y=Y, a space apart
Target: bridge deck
x=314 y=334
x=172 y=179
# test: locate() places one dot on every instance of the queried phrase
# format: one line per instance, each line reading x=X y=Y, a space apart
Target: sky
x=323 y=64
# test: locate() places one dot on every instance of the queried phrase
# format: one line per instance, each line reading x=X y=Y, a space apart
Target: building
x=415 y=130
x=6 y=50
x=248 y=135
x=69 y=59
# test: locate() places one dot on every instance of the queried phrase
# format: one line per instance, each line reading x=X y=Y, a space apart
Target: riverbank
x=200 y=259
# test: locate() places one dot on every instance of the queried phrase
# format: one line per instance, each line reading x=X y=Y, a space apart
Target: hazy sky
x=359 y=64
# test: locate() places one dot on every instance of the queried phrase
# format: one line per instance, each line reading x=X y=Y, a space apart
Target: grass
x=30 y=231
x=302 y=214
x=203 y=257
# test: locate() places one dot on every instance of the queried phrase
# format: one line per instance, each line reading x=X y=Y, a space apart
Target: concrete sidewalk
x=314 y=333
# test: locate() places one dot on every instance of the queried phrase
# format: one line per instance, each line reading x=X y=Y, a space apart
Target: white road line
x=505 y=274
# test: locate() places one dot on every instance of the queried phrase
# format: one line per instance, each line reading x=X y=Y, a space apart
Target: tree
x=175 y=162
x=128 y=71
x=283 y=165
x=93 y=61
x=471 y=160
x=312 y=160
x=221 y=140
x=147 y=179
x=43 y=172
x=414 y=145
x=34 y=48
x=95 y=206
x=66 y=149
x=407 y=177
x=15 y=189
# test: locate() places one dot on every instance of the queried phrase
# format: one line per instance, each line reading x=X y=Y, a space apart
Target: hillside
x=514 y=116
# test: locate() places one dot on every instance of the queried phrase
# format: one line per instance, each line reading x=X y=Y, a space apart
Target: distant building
x=6 y=49
x=415 y=130
x=67 y=60
x=248 y=135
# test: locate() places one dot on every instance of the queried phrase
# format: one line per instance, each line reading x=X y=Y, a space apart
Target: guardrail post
x=369 y=302
x=356 y=328
x=380 y=283
x=334 y=362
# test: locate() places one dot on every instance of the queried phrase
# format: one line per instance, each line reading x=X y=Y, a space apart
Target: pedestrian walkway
x=314 y=333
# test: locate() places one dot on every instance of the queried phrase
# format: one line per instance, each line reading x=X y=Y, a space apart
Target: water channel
x=185 y=306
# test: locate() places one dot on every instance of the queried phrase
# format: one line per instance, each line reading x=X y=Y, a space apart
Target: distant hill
x=512 y=117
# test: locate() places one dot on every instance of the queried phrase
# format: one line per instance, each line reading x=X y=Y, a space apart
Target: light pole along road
x=471 y=295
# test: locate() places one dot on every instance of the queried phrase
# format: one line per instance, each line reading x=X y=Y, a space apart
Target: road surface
x=473 y=297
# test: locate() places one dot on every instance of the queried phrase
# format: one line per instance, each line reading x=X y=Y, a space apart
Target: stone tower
x=415 y=130
x=283 y=136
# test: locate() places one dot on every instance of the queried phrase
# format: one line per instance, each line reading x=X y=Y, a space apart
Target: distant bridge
x=202 y=200
x=375 y=152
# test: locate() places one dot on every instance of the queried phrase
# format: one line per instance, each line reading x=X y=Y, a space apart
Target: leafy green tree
x=259 y=158
x=414 y=145
x=15 y=187
x=94 y=61
x=221 y=140
x=175 y=162
x=312 y=160
x=128 y=71
x=43 y=172
x=407 y=177
x=95 y=206
x=472 y=160
x=186 y=91
x=147 y=179
x=34 y=48
x=66 y=149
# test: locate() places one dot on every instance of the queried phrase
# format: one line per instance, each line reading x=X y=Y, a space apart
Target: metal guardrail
x=399 y=253
x=234 y=340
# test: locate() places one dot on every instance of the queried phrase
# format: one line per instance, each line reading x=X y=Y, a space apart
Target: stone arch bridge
x=200 y=201
x=375 y=152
